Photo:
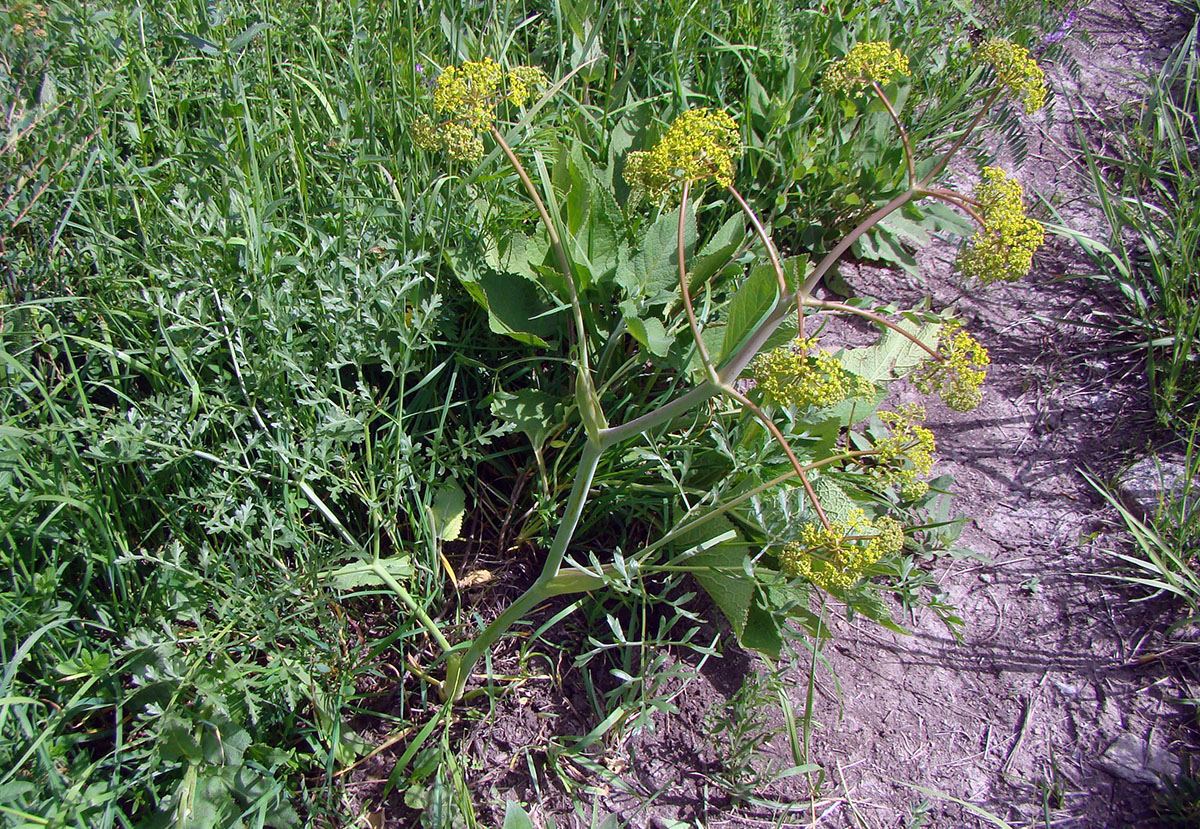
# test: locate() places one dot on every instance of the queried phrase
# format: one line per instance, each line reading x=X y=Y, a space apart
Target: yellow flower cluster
x=906 y=455
x=835 y=558
x=28 y=17
x=866 y=63
x=466 y=98
x=1003 y=248
x=700 y=144
x=1016 y=70
x=523 y=81
x=958 y=376
x=791 y=376
x=468 y=92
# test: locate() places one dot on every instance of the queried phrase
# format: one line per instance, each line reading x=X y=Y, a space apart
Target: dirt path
x=1017 y=717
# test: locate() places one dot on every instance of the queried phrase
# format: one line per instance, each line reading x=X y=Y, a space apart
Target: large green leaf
x=533 y=412
x=515 y=304
x=893 y=355
x=751 y=303
x=837 y=504
x=360 y=574
x=715 y=544
x=519 y=254
x=755 y=300
x=517 y=307
x=761 y=632
x=447 y=510
x=717 y=252
x=651 y=333
x=653 y=272
x=515 y=817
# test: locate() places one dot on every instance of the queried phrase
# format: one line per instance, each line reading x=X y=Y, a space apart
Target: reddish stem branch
x=876 y=318
x=908 y=151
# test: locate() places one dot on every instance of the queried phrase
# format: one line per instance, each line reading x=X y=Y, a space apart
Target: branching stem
x=773 y=255
x=873 y=317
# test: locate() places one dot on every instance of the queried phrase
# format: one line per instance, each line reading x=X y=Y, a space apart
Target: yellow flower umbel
x=835 y=558
x=865 y=64
x=958 y=376
x=699 y=145
x=1016 y=70
x=792 y=376
x=466 y=98
x=523 y=81
x=905 y=456
x=1003 y=247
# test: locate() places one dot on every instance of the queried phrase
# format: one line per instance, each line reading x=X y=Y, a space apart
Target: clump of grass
x=1146 y=182
x=1166 y=554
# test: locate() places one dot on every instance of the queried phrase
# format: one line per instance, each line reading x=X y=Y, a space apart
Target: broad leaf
x=717 y=252
x=533 y=412
x=516 y=817
x=447 y=509
x=751 y=304
x=359 y=574
x=653 y=272
x=515 y=304
x=893 y=355
x=715 y=544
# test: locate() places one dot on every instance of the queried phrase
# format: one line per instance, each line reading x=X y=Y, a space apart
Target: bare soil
x=1054 y=663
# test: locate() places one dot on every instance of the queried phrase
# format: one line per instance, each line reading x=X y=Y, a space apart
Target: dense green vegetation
x=263 y=359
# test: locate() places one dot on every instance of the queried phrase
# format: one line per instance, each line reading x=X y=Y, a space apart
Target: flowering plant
x=853 y=466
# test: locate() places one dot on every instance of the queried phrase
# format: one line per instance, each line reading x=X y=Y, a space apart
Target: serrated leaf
x=516 y=307
x=653 y=272
x=761 y=632
x=837 y=504
x=224 y=742
x=176 y=742
x=731 y=590
x=211 y=805
x=243 y=39
x=515 y=303
x=447 y=509
x=893 y=355
x=900 y=225
x=717 y=252
x=359 y=574
x=751 y=304
x=518 y=253
x=533 y=412
x=651 y=333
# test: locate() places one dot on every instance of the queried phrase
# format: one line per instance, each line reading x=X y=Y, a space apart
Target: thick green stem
x=542 y=588
x=408 y=601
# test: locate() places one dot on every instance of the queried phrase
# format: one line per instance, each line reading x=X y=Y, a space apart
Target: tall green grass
x=1145 y=178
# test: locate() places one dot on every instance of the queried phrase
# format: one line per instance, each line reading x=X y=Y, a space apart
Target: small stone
x=987 y=578
x=1067 y=690
x=1154 y=481
x=1135 y=760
